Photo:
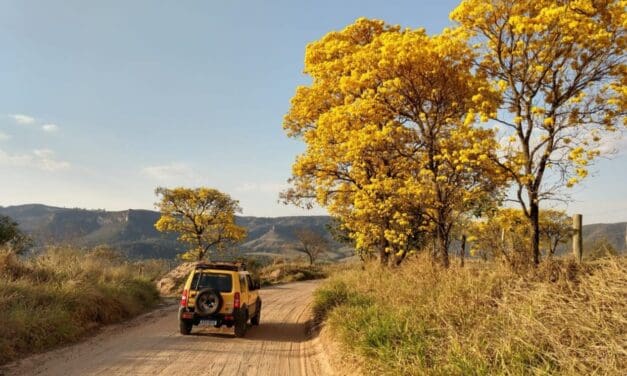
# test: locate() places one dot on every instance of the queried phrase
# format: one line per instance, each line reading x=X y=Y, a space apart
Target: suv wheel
x=185 y=327
x=255 y=319
x=241 y=324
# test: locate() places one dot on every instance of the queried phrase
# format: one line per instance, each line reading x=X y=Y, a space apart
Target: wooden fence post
x=577 y=237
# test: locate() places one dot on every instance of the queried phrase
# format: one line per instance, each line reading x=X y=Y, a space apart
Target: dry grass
x=286 y=272
x=482 y=319
x=64 y=293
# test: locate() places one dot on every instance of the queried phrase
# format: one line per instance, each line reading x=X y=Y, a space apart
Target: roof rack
x=233 y=266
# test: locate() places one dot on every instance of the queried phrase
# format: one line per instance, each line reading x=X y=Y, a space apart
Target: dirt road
x=152 y=345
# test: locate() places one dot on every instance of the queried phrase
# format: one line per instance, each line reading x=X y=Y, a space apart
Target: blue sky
x=100 y=102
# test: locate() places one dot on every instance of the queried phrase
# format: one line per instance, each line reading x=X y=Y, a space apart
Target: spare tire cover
x=208 y=302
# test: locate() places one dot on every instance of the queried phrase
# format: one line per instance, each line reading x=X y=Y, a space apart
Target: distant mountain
x=615 y=233
x=133 y=232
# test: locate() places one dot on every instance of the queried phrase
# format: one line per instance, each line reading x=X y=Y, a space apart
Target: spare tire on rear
x=208 y=302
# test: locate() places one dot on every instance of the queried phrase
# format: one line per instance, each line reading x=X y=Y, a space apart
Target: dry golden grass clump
x=286 y=272
x=483 y=319
x=60 y=295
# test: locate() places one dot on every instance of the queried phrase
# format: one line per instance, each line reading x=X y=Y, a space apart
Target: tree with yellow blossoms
x=504 y=233
x=203 y=217
x=556 y=228
x=391 y=146
x=560 y=68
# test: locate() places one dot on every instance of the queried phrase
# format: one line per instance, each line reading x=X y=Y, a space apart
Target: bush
x=482 y=319
x=62 y=294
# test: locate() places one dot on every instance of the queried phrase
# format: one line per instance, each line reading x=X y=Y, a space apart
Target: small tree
x=311 y=243
x=555 y=228
x=502 y=234
x=505 y=233
x=203 y=217
x=12 y=237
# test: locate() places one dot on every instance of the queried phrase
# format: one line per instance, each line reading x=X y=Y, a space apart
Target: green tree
x=12 y=237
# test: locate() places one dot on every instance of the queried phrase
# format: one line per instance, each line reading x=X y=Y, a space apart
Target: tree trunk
x=534 y=217
x=398 y=259
x=462 y=251
x=442 y=242
x=553 y=246
x=384 y=257
x=311 y=259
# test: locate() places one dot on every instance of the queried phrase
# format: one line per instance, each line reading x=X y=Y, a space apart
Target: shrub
x=62 y=294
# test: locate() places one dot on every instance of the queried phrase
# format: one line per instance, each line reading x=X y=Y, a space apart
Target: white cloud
x=4 y=136
x=42 y=159
x=50 y=128
x=262 y=187
x=169 y=172
x=614 y=146
x=22 y=119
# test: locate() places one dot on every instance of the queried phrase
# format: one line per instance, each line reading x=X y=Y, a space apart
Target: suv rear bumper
x=188 y=314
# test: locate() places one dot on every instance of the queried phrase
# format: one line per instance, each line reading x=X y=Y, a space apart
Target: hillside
x=615 y=233
x=133 y=231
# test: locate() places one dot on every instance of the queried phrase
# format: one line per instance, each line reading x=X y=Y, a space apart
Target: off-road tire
x=185 y=327
x=241 y=324
x=255 y=319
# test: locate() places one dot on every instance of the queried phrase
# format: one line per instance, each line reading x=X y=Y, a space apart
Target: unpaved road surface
x=152 y=345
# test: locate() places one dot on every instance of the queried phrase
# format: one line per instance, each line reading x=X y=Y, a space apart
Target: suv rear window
x=219 y=282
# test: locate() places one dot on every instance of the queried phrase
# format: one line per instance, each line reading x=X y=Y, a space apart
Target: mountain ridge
x=133 y=232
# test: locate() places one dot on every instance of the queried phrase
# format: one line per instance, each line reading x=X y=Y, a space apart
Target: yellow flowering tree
x=560 y=67
x=501 y=234
x=203 y=217
x=556 y=228
x=505 y=233
x=391 y=147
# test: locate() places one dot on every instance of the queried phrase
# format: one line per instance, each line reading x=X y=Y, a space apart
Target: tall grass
x=62 y=294
x=481 y=320
x=285 y=272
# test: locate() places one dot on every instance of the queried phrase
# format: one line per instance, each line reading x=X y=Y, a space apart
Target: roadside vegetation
x=286 y=272
x=484 y=319
x=415 y=143
x=64 y=293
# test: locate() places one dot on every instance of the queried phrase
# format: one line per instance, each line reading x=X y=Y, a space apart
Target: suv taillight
x=184 y=299
x=236 y=300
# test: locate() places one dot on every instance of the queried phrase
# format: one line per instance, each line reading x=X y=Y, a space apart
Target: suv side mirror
x=256 y=285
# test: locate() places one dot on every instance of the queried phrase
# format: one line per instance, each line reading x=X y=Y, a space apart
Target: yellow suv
x=220 y=294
